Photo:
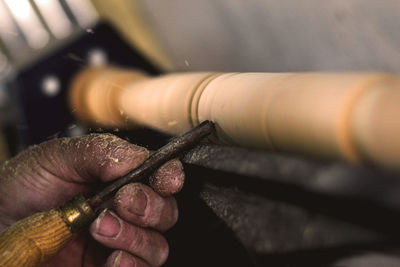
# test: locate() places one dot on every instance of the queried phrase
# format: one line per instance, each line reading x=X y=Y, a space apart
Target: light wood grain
x=351 y=116
x=34 y=240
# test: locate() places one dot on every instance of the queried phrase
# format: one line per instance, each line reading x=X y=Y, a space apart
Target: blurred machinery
x=240 y=207
x=30 y=33
x=45 y=43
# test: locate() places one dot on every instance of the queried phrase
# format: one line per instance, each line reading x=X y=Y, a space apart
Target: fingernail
x=117 y=260
x=138 y=202
x=107 y=224
x=123 y=261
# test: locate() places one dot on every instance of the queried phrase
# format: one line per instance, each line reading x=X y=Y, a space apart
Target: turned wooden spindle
x=352 y=116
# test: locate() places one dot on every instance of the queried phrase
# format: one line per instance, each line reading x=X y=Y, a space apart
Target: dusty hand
x=47 y=175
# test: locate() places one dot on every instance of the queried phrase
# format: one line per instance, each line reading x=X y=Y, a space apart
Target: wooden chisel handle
x=36 y=239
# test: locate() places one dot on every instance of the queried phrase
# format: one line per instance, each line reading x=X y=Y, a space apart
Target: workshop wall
x=269 y=35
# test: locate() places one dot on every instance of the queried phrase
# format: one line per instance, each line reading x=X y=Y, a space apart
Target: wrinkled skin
x=127 y=234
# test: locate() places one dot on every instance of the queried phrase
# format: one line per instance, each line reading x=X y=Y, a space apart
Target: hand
x=45 y=176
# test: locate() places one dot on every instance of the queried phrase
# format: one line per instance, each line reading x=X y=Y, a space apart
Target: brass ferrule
x=77 y=213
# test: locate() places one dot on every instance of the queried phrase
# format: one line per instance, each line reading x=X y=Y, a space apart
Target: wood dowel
x=163 y=103
x=334 y=115
x=95 y=95
x=375 y=124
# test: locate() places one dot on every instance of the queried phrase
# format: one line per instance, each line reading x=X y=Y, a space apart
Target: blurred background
x=265 y=35
x=44 y=43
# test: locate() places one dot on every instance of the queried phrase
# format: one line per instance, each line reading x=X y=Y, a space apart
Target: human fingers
x=113 y=232
x=169 y=178
x=120 y=258
x=140 y=205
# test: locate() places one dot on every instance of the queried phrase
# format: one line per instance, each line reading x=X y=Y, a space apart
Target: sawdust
x=22 y=163
x=106 y=148
x=107 y=144
x=73 y=158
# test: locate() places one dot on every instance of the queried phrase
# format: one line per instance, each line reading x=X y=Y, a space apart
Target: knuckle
x=139 y=242
x=164 y=214
x=151 y=246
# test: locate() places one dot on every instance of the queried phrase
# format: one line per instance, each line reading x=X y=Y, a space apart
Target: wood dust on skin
x=25 y=163
x=118 y=196
x=169 y=178
x=133 y=197
x=133 y=190
x=17 y=185
x=115 y=148
x=11 y=169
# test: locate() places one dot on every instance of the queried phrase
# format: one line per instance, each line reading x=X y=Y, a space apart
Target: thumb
x=46 y=175
x=92 y=157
